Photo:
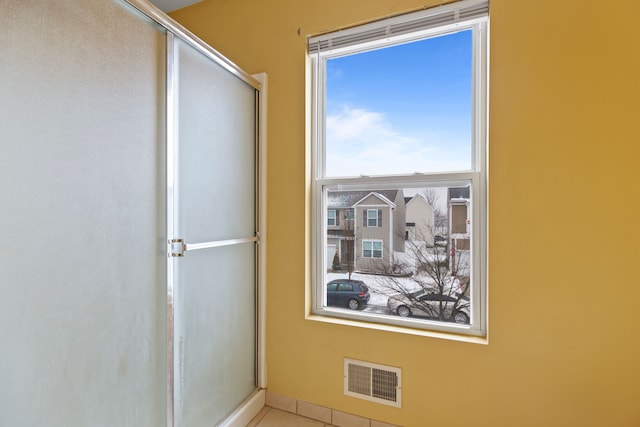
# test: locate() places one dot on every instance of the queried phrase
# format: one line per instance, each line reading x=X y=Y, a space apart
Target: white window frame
x=372 y=219
x=335 y=213
x=331 y=45
x=373 y=250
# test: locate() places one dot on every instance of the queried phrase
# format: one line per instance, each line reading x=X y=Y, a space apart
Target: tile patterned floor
x=271 y=417
x=285 y=411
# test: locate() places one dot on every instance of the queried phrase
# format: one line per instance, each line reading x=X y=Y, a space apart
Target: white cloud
x=357 y=125
x=364 y=142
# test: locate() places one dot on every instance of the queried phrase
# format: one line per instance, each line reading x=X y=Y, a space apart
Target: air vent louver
x=370 y=381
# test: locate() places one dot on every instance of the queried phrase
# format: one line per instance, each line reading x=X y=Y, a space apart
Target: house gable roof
x=382 y=197
x=348 y=199
x=416 y=197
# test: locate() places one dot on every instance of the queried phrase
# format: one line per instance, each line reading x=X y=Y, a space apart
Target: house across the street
x=365 y=228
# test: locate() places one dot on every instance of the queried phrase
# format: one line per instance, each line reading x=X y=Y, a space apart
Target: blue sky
x=402 y=109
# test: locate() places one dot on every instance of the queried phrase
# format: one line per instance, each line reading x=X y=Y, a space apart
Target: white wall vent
x=370 y=381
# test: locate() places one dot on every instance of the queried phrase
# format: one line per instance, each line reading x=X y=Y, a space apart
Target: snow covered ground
x=379 y=287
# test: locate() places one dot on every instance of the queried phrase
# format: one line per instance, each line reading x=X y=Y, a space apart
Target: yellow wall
x=564 y=347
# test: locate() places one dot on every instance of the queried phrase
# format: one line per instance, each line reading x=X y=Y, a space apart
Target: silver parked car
x=432 y=304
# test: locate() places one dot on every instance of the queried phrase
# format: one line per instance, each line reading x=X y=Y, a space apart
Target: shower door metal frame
x=175 y=246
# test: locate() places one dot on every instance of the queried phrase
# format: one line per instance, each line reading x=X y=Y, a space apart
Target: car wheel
x=353 y=304
x=403 y=311
x=461 y=317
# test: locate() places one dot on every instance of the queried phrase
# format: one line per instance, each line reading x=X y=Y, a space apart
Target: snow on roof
x=460 y=192
x=459 y=200
x=420 y=196
x=348 y=199
x=379 y=196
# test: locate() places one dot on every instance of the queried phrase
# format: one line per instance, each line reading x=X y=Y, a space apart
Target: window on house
x=459 y=222
x=331 y=217
x=373 y=219
x=372 y=248
x=399 y=116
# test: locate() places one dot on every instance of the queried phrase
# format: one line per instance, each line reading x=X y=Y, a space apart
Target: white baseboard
x=244 y=414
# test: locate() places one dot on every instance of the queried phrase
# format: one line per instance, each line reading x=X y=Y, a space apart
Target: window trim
x=406 y=27
x=335 y=213
x=476 y=177
x=373 y=250
x=376 y=219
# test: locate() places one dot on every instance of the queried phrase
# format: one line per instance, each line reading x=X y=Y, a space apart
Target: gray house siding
x=386 y=227
x=399 y=222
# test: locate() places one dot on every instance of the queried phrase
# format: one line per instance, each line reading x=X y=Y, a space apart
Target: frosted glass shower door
x=82 y=274
x=214 y=216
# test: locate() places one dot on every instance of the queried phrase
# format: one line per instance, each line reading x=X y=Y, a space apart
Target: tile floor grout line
x=264 y=414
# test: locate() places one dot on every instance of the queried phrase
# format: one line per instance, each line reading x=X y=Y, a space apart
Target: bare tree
x=437 y=289
x=440 y=219
x=348 y=256
x=432 y=197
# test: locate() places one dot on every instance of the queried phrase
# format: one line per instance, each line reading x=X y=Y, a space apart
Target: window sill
x=398 y=329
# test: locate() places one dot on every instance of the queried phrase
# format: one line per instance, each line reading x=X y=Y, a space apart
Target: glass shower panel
x=214 y=204
x=82 y=222
x=215 y=333
x=217 y=128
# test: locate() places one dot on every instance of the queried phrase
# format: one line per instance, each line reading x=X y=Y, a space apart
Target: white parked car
x=430 y=303
x=439 y=240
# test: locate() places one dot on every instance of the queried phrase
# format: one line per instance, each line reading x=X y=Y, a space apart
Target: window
x=345 y=287
x=399 y=116
x=372 y=248
x=373 y=220
x=459 y=219
x=331 y=217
